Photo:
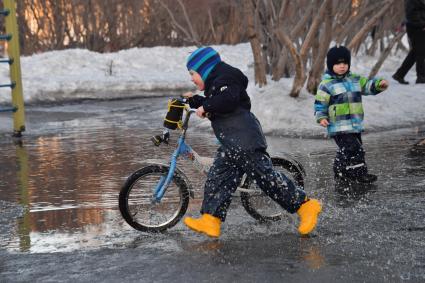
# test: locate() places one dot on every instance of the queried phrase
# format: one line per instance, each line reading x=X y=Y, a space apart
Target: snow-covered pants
x=227 y=171
x=350 y=157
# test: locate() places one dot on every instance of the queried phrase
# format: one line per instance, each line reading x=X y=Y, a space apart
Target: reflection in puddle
x=311 y=254
x=69 y=185
x=65 y=230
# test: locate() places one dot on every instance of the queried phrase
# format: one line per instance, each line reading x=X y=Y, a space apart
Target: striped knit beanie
x=202 y=61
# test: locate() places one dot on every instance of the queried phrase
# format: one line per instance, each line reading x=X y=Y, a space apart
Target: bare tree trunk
x=325 y=40
x=300 y=58
x=343 y=15
x=188 y=22
x=190 y=36
x=279 y=71
x=299 y=69
x=353 y=21
x=385 y=54
x=313 y=30
x=282 y=58
x=212 y=25
x=262 y=21
x=259 y=65
x=357 y=39
x=296 y=31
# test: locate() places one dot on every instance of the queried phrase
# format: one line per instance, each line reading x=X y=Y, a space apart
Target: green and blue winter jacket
x=339 y=99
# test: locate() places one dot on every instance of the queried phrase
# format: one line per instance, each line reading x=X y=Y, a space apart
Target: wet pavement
x=59 y=218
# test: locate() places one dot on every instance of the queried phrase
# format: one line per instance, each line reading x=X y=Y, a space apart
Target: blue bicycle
x=156 y=196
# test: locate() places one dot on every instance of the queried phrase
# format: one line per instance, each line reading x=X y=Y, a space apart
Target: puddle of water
x=68 y=184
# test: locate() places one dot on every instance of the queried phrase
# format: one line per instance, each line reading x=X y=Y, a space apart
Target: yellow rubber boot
x=207 y=224
x=308 y=213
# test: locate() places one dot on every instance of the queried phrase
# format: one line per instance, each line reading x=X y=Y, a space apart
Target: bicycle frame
x=182 y=149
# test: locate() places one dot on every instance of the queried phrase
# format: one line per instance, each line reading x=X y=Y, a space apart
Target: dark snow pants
x=227 y=171
x=350 y=157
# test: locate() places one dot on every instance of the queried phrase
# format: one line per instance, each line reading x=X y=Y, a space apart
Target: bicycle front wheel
x=259 y=205
x=135 y=200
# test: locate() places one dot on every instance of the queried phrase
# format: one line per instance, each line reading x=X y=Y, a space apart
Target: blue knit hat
x=203 y=60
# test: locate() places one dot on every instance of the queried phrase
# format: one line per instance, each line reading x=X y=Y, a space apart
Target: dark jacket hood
x=227 y=74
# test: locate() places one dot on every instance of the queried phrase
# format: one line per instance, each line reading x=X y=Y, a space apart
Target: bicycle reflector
x=173 y=119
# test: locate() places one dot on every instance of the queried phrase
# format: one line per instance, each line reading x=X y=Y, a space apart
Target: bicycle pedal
x=156 y=140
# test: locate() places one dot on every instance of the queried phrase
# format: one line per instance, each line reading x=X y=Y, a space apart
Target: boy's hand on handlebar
x=324 y=122
x=187 y=94
x=200 y=112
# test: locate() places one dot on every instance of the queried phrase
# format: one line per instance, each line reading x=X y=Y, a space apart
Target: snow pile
x=74 y=74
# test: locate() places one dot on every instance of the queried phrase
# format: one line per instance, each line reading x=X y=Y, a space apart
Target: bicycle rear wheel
x=135 y=200
x=258 y=204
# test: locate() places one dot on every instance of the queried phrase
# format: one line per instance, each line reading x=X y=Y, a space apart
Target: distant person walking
x=415 y=26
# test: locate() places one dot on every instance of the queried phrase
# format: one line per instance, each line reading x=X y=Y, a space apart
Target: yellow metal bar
x=15 y=67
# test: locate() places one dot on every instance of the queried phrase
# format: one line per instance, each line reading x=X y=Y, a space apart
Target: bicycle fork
x=164 y=182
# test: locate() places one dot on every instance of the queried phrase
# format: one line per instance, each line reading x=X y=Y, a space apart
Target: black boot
x=367 y=179
x=400 y=79
x=344 y=178
x=420 y=80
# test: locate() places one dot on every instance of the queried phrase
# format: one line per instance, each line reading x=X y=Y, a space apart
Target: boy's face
x=197 y=80
x=340 y=68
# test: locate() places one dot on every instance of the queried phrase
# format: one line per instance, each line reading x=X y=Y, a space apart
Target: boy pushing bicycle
x=243 y=146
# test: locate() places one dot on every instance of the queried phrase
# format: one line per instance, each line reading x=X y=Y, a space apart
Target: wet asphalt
x=59 y=220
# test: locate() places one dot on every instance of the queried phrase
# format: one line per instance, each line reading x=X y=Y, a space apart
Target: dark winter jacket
x=415 y=13
x=229 y=106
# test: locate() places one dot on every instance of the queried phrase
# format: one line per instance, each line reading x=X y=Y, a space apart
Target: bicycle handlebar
x=192 y=110
x=165 y=137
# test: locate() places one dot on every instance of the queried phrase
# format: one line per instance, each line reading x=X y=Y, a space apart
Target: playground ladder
x=12 y=38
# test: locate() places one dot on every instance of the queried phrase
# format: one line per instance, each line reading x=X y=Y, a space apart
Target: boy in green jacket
x=338 y=107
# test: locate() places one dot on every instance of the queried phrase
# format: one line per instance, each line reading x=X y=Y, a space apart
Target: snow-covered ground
x=59 y=76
